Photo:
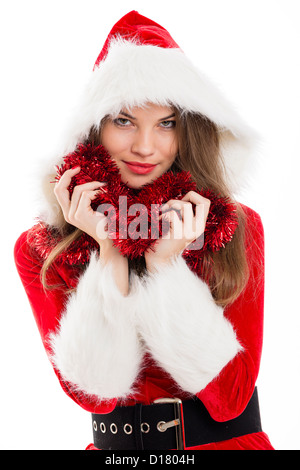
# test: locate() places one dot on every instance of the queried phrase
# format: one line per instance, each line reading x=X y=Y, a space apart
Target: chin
x=137 y=183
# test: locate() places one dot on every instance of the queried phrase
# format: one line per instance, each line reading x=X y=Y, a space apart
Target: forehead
x=149 y=110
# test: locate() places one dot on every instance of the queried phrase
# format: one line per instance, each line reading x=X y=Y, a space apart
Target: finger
x=182 y=224
x=195 y=198
x=84 y=205
x=188 y=222
x=200 y=219
x=172 y=202
x=175 y=205
x=66 y=178
x=198 y=200
x=79 y=190
x=61 y=189
x=171 y=225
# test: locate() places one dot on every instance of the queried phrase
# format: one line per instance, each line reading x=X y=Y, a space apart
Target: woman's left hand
x=185 y=227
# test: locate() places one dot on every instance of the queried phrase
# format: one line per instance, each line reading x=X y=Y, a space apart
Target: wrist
x=108 y=251
x=154 y=263
x=109 y=255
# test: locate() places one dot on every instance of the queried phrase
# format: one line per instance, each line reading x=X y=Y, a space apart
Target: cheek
x=112 y=140
x=109 y=143
x=175 y=145
x=171 y=152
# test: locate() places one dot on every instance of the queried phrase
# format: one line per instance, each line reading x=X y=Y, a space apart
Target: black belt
x=169 y=424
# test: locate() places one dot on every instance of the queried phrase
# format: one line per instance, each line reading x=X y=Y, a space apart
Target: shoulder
x=23 y=251
x=32 y=249
x=254 y=245
x=254 y=230
x=27 y=263
x=251 y=215
x=35 y=244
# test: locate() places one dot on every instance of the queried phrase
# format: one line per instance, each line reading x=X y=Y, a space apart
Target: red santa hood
x=140 y=62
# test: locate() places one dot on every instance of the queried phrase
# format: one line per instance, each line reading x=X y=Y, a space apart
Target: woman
x=163 y=357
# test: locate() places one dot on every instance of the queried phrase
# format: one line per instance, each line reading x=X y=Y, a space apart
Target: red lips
x=140 y=168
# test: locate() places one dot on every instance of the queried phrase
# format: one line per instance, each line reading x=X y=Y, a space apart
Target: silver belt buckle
x=162 y=426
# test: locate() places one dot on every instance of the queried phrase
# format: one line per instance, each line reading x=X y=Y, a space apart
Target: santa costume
x=164 y=367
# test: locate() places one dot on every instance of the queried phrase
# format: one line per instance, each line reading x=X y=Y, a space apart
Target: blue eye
x=123 y=122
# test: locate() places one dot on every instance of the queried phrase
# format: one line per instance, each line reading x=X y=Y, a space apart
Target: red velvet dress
x=225 y=397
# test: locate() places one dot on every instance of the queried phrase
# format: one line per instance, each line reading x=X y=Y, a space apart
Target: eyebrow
x=132 y=117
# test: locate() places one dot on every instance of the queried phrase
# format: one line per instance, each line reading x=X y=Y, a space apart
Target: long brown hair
x=225 y=271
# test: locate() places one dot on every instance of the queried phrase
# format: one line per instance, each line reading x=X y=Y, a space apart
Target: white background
x=48 y=48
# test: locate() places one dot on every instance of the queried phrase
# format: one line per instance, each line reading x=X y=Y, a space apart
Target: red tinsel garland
x=97 y=165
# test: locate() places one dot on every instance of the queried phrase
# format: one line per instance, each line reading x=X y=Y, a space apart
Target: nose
x=143 y=143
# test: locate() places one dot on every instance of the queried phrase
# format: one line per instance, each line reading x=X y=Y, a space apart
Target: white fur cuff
x=97 y=348
x=182 y=326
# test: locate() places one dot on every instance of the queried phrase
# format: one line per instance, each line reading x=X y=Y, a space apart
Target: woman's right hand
x=77 y=210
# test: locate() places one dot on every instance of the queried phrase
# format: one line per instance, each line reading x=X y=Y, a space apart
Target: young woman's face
x=142 y=142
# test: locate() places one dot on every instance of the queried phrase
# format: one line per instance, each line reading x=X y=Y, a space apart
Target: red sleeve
x=227 y=395
x=48 y=306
